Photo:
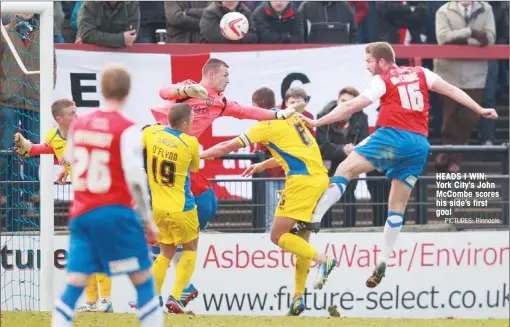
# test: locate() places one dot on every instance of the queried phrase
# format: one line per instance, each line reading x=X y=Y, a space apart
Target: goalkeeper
x=64 y=111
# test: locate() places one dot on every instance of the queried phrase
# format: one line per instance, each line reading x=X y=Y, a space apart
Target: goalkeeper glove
x=291 y=110
x=22 y=146
x=193 y=91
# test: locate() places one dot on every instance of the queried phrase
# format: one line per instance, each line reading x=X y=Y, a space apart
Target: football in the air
x=234 y=26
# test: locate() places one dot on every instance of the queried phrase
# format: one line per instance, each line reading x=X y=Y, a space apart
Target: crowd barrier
x=251 y=203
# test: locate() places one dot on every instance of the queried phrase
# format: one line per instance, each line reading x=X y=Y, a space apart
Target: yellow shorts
x=176 y=227
x=300 y=196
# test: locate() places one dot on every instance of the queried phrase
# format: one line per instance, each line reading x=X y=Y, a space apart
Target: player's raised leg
x=350 y=168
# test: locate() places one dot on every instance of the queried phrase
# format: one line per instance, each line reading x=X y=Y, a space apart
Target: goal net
x=26 y=197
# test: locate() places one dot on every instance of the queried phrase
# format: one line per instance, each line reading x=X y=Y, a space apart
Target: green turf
x=37 y=319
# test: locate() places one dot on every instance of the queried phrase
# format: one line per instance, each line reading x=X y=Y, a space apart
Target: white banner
x=79 y=76
x=322 y=72
x=430 y=275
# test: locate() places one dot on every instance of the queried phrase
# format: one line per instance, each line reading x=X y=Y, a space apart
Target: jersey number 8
x=166 y=171
x=411 y=96
x=95 y=165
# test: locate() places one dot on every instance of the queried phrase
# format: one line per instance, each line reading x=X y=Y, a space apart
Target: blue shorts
x=401 y=154
x=109 y=240
x=206 y=207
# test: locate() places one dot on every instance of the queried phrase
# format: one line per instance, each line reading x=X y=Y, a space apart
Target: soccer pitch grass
x=38 y=319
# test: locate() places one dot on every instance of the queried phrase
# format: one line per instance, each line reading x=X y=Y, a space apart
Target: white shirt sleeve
x=375 y=90
x=430 y=76
x=131 y=148
x=131 y=151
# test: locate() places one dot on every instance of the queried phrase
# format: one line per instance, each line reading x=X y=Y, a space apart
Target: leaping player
x=106 y=233
x=208 y=103
x=98 y=291
x=399 y=146
x=294 y=149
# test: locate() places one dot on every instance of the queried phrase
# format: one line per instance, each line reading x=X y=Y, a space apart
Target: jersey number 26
x=90 y=170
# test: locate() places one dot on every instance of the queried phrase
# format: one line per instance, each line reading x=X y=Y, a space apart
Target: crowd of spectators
x=120 y=24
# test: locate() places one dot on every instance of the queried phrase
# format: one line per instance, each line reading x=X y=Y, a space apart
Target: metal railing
x=253 y=200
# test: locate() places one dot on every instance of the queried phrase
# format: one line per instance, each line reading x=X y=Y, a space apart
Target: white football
x=234 y=26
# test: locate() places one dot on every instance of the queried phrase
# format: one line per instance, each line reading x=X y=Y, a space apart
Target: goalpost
x=46 y=236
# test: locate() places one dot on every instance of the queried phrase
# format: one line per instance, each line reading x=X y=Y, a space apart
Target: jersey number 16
x=411 y=96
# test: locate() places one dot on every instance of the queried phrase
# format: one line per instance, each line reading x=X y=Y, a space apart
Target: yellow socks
x=183 y=273
x=105 y=286
x=91 y=290
x=302 y=269
x=159 y=269
x=296 y=245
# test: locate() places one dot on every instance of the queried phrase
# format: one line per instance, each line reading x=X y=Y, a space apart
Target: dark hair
x=179 y=113
x=264 y=97
x=348 y=90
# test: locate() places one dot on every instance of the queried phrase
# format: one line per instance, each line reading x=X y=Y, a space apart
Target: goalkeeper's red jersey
x=96 y=151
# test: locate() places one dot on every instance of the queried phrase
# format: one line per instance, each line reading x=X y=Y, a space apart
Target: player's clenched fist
x=21 y=146
x=489 y=113
x=193 y=91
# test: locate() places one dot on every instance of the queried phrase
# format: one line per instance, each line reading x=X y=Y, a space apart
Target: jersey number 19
x=166 y=171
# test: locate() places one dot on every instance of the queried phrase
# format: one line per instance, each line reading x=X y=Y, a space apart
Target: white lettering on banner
x=322 y=72
x=430 y=275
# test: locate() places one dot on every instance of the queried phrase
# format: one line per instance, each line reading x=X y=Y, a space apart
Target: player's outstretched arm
x=180 y=91
x=259 y=167
x=342 y=111
x=240 y=111
x=221 y=149
x=442 y=87
x=24 y=148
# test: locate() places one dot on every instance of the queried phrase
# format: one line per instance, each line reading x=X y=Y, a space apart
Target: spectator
x=402 y=22
x=264 y=98
x=210 y=22
x=295 y=95
x=152 y=18
x=278 y=22
x=19 y=102
x=360 y=9
x=336 y=142
x=328 y=22
x=183 y=21
x=58 y=22
x=486 y=126
x=109 y=23
x=467 y=23
x=70 y=26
